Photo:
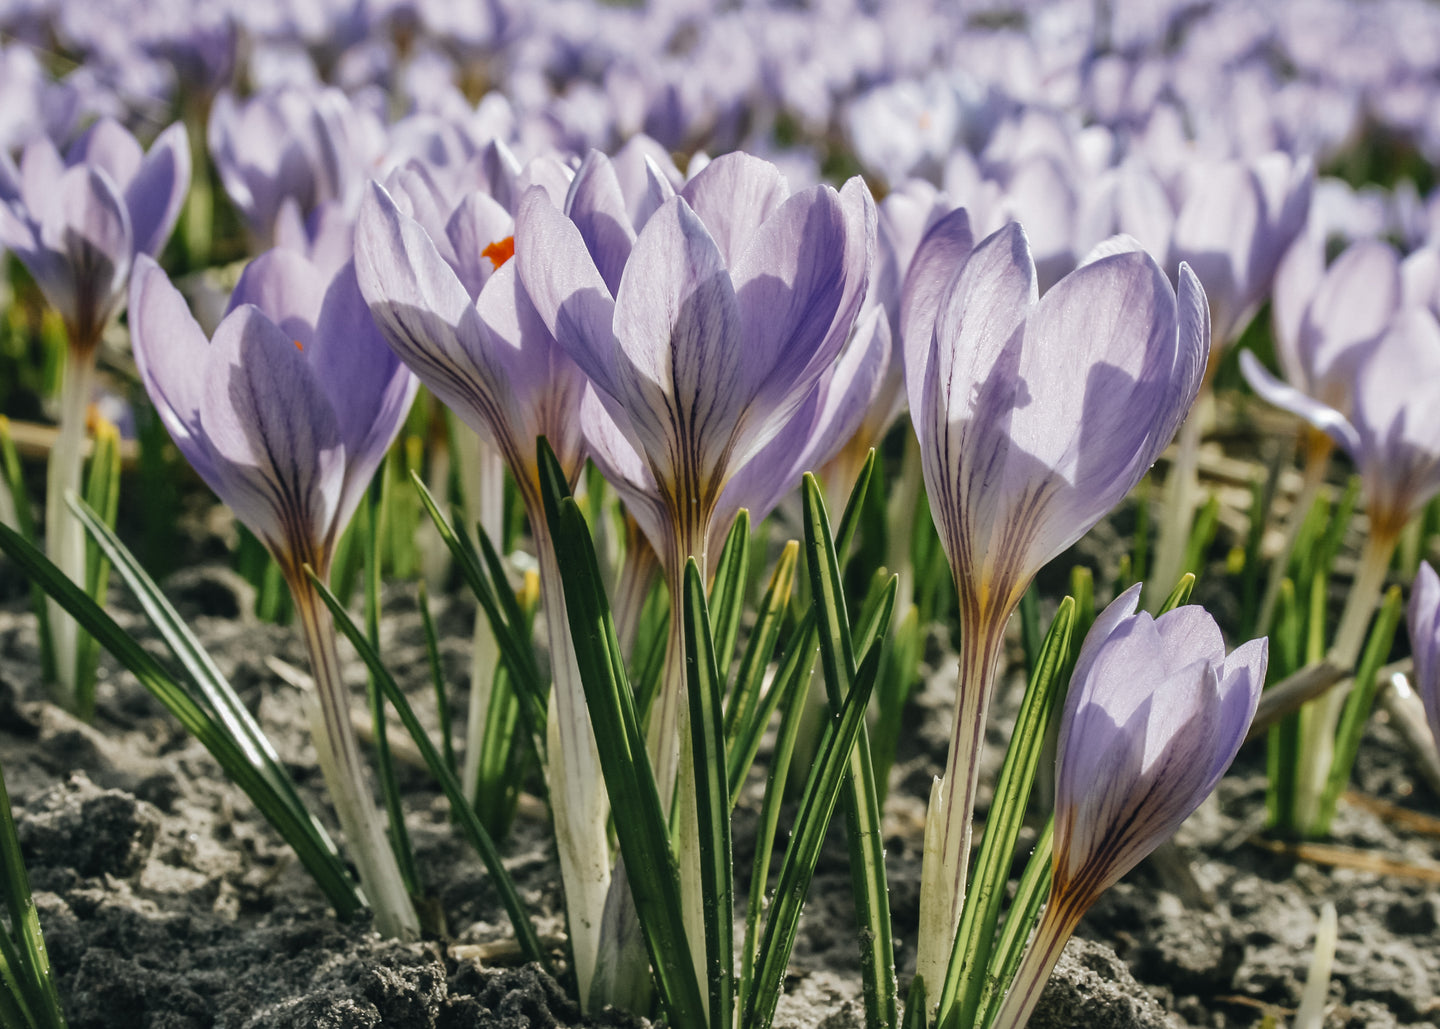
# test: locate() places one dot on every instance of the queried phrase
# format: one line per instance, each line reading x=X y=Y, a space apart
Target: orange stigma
x=298 y=345
x=500 y=251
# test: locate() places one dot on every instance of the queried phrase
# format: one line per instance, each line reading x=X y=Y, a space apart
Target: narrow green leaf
x=525 y=932
x=899 y=673
x=817 y=806
x=16 y=1008
x=30 y=967
x=1357 y=709
x=791 y=678
x=102 y=494
x=712 y=797
x=1030 y=638
x=1024 y=911
x=970 y=958
x=850 y=517
x=235 y=754
x=437 y=676
x=727 y=594
x=640 y=824
x=745 y=696
x=742 y=756
x=1262 y=492
x=862 y=806
x=515 y=647
x=916 y=1016
x=25 y=524
x=384 y=762
x=1179 y=595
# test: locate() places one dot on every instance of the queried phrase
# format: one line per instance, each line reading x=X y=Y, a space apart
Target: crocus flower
x=457 y=314
x=286 y=414
x=1326 y=324
x=702 y=334
x=1155 y=713
x=1036 y=416
x=77 y=223
x=290 y=146
x=1423 y=622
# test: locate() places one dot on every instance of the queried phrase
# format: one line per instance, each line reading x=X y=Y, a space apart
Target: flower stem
x=1182 y=486
x=482 y=483
x=64 y=537
x=1317 y=460
x=344 y=773
x=1054 y=931
x=1320 y=718
x=577 y=786
x=945 y=865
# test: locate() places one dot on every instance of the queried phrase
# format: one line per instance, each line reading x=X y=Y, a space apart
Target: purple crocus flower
x=1423 y=622
x=77 y=222
x=291 y=145
x=1035 y=416
x=451 y=306
x=702 y=334
x=286 y=414
x=1155 y=714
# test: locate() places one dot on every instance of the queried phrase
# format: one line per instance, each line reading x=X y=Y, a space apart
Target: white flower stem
x=1320 y=718
x=1182 y=486
x=577 y=786
x=482 y=487
x=948 y=822
x=1311 y=1013
x=1054 y=931
x=345 y=776
x=64 y=537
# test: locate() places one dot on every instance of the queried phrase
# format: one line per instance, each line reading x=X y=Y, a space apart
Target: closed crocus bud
x=1155 y=714
x=1423 y=621
x=1036 y=416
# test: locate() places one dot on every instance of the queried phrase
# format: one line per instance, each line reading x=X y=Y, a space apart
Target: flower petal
x=288 y=288
x=733 y=195
x=158 y=189
x=678 y=325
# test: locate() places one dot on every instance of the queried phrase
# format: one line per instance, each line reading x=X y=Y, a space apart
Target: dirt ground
x=168 y=903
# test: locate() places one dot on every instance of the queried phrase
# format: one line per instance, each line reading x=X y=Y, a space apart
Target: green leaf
x=1024 y=912
x=26 y=968
x=514 y=642
x=1357 y=709
x=389 y=784
x=712 y=797
x=1202 y=534
x=727 y=596
x=788 y=691
x=969 y=965
x=748 y=714
x=525 y=933
x=437 y=675
x=640 y=824
x=1179 y=595
x=102 y=494
x=25 y=523
x=231 y=737
x=817 y=806
x=862 y=807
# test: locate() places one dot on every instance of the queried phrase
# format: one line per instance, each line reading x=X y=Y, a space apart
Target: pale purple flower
x=291 y=145
x=1236 y=222
x=1036 y=415
x=706 y=331
x=78 y=222
x=289 y=410
x=1423 y=622
x=1155 y=713
x=1392 y=428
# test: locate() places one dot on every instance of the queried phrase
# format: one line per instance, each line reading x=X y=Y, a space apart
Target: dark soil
x=168 y=903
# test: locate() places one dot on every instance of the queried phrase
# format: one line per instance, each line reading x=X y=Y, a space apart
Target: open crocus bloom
x=289 y=410
x=1035 y=416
